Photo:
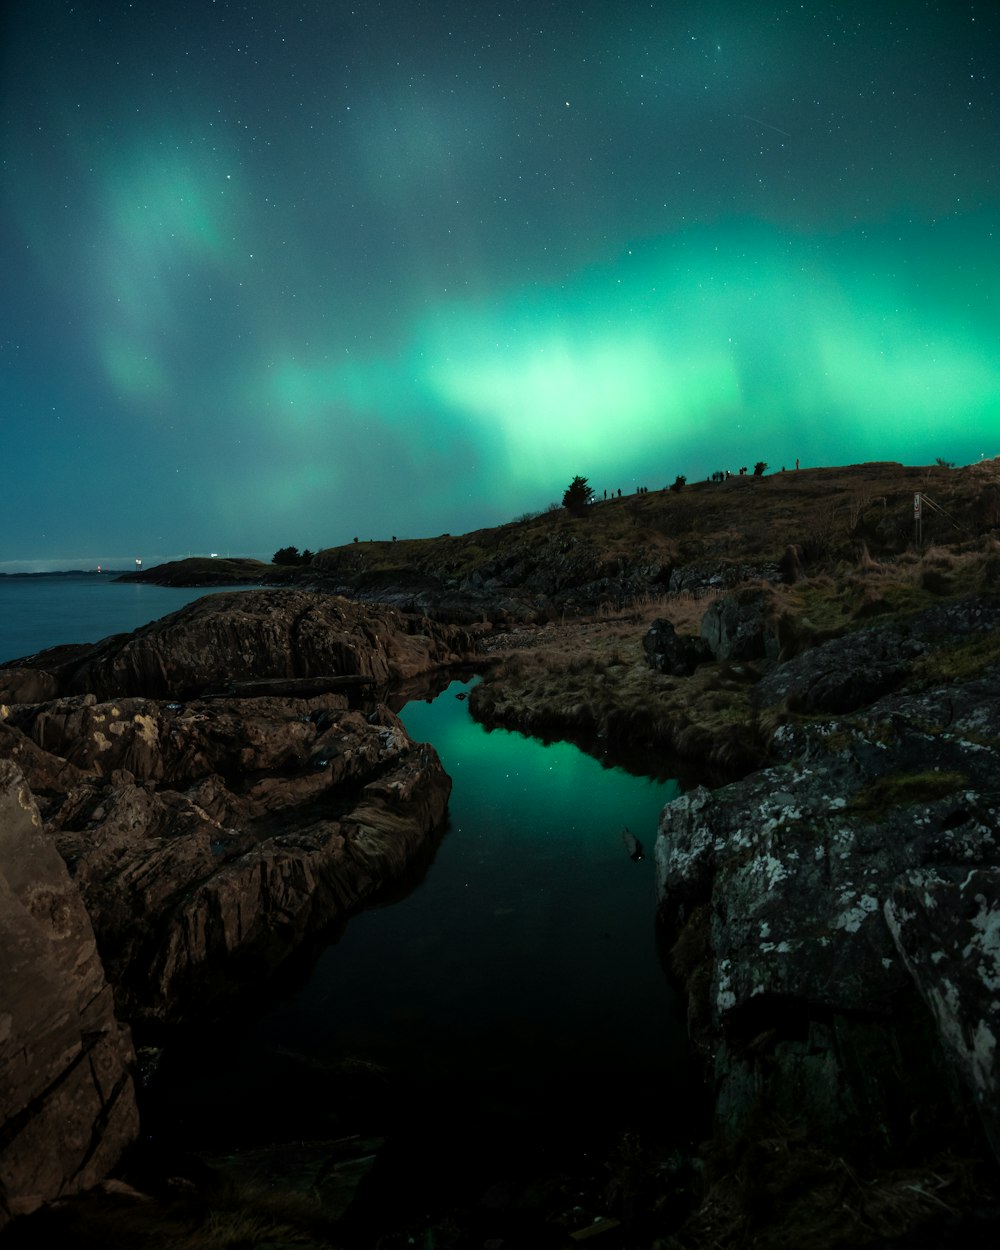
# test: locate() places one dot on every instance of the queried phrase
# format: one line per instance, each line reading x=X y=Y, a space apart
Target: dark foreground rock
x=834 y=921
x=67 y=1105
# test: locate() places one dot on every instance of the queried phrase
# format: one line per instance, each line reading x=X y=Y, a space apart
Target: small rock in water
x=632 y=845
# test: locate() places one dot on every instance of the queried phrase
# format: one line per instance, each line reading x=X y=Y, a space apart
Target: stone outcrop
x=743 y=626
x=707 y=577
x=852 y=671
x=241 y=635
x=211 y=836
x=67 y=1105
x=834 y=916
x=672 y=653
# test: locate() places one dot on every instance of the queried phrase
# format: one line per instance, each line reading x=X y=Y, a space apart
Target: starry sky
x=283 y=274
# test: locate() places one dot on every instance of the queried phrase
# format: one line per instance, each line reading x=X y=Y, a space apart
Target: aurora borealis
x=284 y=274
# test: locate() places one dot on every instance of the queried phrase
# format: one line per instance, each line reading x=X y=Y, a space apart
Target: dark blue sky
x=283 y=274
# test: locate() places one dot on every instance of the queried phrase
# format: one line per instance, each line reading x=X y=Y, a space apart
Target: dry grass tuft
x=784 y=1192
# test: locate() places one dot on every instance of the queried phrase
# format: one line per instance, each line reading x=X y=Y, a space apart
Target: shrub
x=290 y=555
x=760 y=468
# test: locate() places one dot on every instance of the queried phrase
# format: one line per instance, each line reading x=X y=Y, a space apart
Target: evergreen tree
x=577 y=495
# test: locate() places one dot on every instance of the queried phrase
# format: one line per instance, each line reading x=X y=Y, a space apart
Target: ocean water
x=40 y=612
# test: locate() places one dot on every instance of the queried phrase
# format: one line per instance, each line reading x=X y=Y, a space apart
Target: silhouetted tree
x=577 y=495
x=680 y=481
x=759 y=467
x=290 y=555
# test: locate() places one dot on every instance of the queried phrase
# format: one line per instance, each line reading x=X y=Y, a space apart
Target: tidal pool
x=515 y=990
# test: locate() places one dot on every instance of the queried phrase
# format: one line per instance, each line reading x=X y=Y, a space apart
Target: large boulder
x=672 y=653
x=850 y=672
x=775 y=891
x=67 y=1102
x=843 y=674
x=743 y=626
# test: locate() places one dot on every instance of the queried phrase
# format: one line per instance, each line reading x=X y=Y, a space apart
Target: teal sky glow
x=287 y=274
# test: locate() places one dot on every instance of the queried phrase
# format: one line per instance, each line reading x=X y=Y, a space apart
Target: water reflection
x=520 y=976
x=530 y=945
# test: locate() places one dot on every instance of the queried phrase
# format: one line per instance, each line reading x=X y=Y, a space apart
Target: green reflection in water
x=529 y=948
x=518 y=983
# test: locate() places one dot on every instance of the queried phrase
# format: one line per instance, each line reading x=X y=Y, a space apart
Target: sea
x=48 y=609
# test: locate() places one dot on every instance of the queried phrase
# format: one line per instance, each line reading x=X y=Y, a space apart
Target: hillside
x=624 y=550
x=639 y=545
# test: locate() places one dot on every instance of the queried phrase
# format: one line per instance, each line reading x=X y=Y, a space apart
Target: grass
x=829 y=512
x=593 y=679
x=591 y=676
x=962 y=661
x=903 y=790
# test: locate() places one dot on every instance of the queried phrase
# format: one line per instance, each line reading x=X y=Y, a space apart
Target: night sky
x=289 y=273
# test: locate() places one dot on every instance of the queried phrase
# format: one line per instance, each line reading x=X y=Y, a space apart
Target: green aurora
x=249 y=319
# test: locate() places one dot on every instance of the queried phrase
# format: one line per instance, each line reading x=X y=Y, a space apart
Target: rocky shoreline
x=828 y=904
x=204 y=829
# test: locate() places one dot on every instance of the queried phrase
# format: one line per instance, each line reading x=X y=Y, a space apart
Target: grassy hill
x=640 y=540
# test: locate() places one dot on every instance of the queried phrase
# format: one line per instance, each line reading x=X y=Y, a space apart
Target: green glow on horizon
x=590 y=395
x=741 y=338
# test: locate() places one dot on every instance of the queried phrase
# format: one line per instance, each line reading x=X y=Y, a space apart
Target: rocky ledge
x=217 y=795
x=835 y=917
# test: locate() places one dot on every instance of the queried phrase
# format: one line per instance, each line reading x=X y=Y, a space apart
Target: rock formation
x=834 y=917
x=207 y=837
x=673 y=653
x=227 y=638
x=67 y=1105
x=210 y=836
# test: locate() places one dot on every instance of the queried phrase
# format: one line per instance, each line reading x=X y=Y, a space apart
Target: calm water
x=39 y=612
x=516 y=986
